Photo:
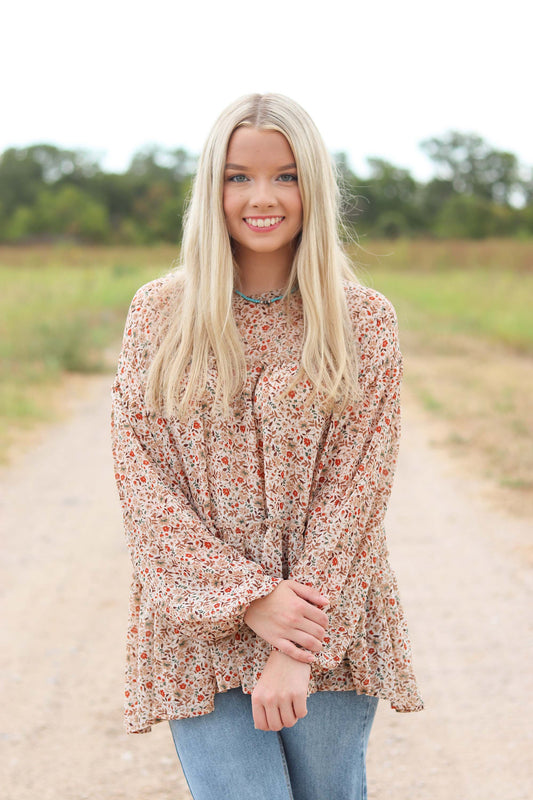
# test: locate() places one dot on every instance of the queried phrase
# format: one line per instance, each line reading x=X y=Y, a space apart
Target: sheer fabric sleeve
x=345 y=540
x=200 y=583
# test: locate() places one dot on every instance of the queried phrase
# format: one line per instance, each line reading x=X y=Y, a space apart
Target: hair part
x=204 y=323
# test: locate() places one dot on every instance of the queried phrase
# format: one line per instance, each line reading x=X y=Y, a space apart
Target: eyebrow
x=239 y=166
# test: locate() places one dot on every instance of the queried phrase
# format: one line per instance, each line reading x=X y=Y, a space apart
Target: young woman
x=255 y=432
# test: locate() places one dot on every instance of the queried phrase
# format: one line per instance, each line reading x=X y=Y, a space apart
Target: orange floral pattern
x=217 y=511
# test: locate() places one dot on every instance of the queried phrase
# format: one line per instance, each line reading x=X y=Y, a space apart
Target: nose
x=263 y=195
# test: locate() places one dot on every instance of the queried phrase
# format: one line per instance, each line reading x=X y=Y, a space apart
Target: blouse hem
x=208 y=705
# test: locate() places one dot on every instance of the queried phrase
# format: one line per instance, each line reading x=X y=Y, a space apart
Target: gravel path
x=64 y=575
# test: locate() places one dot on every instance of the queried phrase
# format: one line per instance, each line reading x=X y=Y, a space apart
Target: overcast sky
x=377 y=77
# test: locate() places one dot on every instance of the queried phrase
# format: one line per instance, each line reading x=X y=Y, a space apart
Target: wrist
x=277 y=655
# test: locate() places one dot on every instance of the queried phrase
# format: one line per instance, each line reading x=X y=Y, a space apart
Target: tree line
x=48 y=193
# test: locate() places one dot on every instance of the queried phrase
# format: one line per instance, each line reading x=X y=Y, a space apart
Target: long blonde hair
x=204 y=321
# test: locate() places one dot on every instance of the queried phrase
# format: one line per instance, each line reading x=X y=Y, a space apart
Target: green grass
x=426 y=255
x=493 y=306
x=59 y=311
x=441 y=289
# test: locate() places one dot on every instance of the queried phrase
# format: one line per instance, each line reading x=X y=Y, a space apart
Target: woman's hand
x=279 y=699
x=289 y=616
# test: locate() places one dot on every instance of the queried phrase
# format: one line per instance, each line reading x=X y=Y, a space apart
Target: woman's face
x=262 y=202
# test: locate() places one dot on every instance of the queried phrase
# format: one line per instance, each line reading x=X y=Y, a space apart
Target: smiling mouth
x=263 y=222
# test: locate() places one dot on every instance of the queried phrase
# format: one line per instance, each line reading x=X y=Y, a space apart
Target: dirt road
x=462 y=570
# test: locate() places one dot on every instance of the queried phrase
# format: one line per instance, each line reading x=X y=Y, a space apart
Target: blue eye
x=238 y=178
x=288 y=178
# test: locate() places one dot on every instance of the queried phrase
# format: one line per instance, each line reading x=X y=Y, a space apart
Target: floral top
x=217 y=511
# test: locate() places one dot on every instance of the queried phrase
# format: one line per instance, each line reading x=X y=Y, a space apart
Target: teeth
x=263 y=223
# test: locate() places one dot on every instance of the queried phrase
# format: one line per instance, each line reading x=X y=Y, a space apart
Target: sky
x=377 y=77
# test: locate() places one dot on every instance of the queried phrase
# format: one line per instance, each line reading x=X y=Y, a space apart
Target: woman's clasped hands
x=291 y=618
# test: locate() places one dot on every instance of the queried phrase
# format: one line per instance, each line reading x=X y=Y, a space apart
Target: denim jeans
x=322 y=757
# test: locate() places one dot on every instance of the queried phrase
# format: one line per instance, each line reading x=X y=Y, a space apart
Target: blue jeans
x=322 y=757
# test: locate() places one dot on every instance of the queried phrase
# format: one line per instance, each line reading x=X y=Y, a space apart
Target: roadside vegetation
x=61 y=309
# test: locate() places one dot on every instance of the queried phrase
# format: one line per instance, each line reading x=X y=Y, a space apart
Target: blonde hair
x=208 y=274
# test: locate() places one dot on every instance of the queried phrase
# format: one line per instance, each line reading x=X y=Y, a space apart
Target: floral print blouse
x=217 y=511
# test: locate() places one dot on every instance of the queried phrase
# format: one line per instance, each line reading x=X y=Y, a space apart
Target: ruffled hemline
x=403 y=698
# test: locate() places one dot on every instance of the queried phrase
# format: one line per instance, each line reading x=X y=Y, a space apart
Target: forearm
x=290 y=619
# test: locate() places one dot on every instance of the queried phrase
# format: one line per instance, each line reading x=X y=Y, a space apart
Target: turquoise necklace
x=263 y=302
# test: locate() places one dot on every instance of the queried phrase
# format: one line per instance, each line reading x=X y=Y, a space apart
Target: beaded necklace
x=258 y=300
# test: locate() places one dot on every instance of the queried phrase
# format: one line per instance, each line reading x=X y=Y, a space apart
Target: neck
x=262 y=273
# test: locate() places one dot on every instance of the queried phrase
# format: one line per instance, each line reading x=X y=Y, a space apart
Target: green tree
x=24 y=171
x=158 y=182
x=67 y=211
x=473 y=167
x=465 y=216
x=390 y=194
x=19 y=226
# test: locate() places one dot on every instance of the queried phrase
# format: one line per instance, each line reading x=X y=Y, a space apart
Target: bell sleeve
x=344 y=542
x=190 y=576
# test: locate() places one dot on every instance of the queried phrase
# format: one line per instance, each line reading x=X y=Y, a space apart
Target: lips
x=263 y=223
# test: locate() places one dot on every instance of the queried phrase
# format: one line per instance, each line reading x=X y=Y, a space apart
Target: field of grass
x=467 y=302
x=471 y=294
x=60 y=308
x=464 y=309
